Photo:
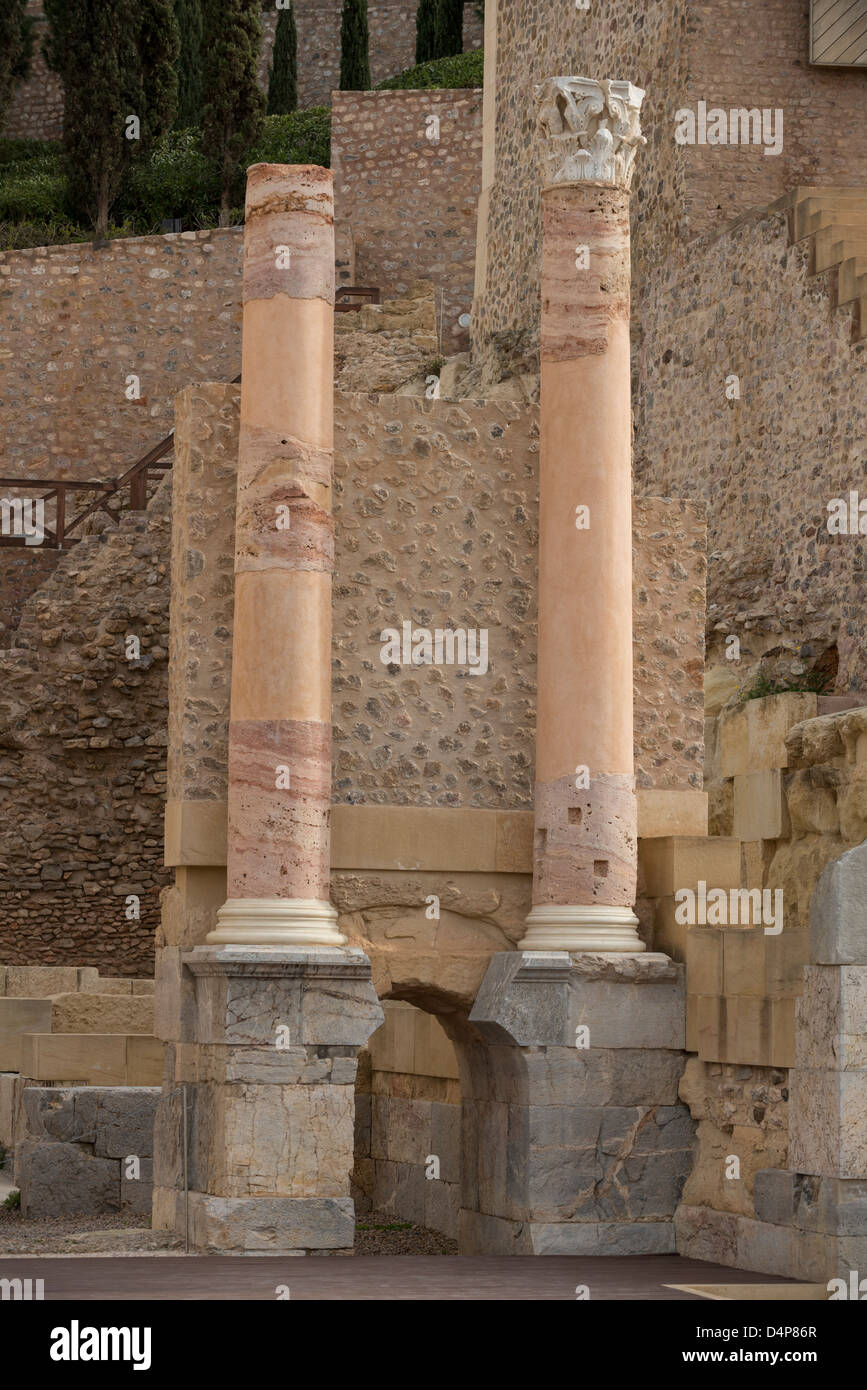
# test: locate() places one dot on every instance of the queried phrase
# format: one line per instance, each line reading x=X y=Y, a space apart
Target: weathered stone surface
x=831 y=1018
x=838 y=915
x=271 y=1224
x=828 y=1125
x=96 y=1013
x=125 y=1121
x=65 y=1179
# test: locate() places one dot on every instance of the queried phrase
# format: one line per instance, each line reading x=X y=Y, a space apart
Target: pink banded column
x=280 y=731
x=585 y=847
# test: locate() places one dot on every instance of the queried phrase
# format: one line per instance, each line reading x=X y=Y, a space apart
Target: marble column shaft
x=280 y=730
x=585 y=857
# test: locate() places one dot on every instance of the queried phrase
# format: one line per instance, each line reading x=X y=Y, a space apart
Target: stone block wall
x=767 y=463
x=407 y=1112
x=82 y=754
x=76 y=1150
x=736 y=53
x=411 y=201
x=78 y=320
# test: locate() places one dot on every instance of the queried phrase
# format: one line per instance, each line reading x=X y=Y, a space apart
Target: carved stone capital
x=589 y=131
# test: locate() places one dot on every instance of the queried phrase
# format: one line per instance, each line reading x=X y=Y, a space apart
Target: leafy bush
x=177 y=180
x=465 y=70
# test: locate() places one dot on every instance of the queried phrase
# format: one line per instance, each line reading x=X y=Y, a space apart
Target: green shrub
x=464 y=70
x=176 y=180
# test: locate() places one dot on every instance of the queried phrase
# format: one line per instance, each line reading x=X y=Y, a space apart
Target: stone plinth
x=269 y=1058
x=582 y=1146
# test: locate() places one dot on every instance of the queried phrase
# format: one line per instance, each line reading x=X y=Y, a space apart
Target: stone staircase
x=835 y=220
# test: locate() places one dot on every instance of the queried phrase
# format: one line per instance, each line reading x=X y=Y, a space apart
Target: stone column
x=585 y=850
x=280 y=730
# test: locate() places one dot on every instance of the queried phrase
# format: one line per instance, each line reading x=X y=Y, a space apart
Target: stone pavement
x=407 y=1278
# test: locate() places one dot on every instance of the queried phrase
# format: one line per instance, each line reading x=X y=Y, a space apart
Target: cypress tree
x=424 y=31
x=234 y=106
x=115 y=59
x=354 y=57
x=449 y=28
x=283 y=78
x=12 y=28
x=189 y=66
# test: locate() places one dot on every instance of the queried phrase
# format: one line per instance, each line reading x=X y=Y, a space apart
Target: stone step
x=815 y=213
x=836 y=244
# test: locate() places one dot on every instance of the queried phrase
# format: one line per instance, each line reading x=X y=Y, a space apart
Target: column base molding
x=561 y=927
x=276 y=922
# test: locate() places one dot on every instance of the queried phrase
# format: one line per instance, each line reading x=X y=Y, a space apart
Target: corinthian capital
x=589 y=130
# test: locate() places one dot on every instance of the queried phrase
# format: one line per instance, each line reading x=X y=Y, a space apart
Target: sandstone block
x=744 y=961
x=19 y=1016
x=704 y=960
x=98 y=1013
x=753 y=735
x=838 y=911
x=40 y=981
x=760 y=806
x=675 y=862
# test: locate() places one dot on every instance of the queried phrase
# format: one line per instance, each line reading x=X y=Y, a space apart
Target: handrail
x=347 y=298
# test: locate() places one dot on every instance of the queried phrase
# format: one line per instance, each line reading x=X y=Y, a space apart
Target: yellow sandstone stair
x=835 y=221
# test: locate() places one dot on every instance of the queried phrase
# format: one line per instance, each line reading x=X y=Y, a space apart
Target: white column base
x=556 y=927
x=276 y=922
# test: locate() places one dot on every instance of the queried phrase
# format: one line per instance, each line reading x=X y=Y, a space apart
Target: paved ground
x=378 y=1277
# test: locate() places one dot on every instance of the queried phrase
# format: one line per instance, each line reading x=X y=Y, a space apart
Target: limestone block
x=786 y=955
x=704 y=960
x=674 y=862
x=125 y=1122
x=602 y=1238
x=100 y=1013
x=753 y=734
x=774 y=1196
x=400 y=1129
x=175 y=997
x=783 y=1032
x=144 y=987
x=442 y=1202
x=108 y=984
x=760 y=806
x=832 y=1018
x=49 y=1112
x=852 y=805
x=136 y=1194
x=445 y=1141
x=10 y=1088
x=667 y=811
x=144 y=1061
x=720 y=806
x=293 y=1141
x=96 y=1059
x=828 y=1122
x=65 y=1180
x=756 y=856
x=17 y=1017
x=838 y=911
x=744 y=961
x=271 y=1224
x=701 y=1233
x=363 y=1116
x=669 y=935
x=748 y=1030
x=830 y=1205
x=691 y=1023
x=195 y=833
x=811 y=801
x=765 y=1248
x=39 y=981
x=712 y=1027
x=597 y=1076
x=400 y=1188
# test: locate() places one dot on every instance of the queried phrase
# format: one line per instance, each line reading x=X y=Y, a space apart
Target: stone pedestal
x=585 y=853
x=269 y=1040
x=579 y=1144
